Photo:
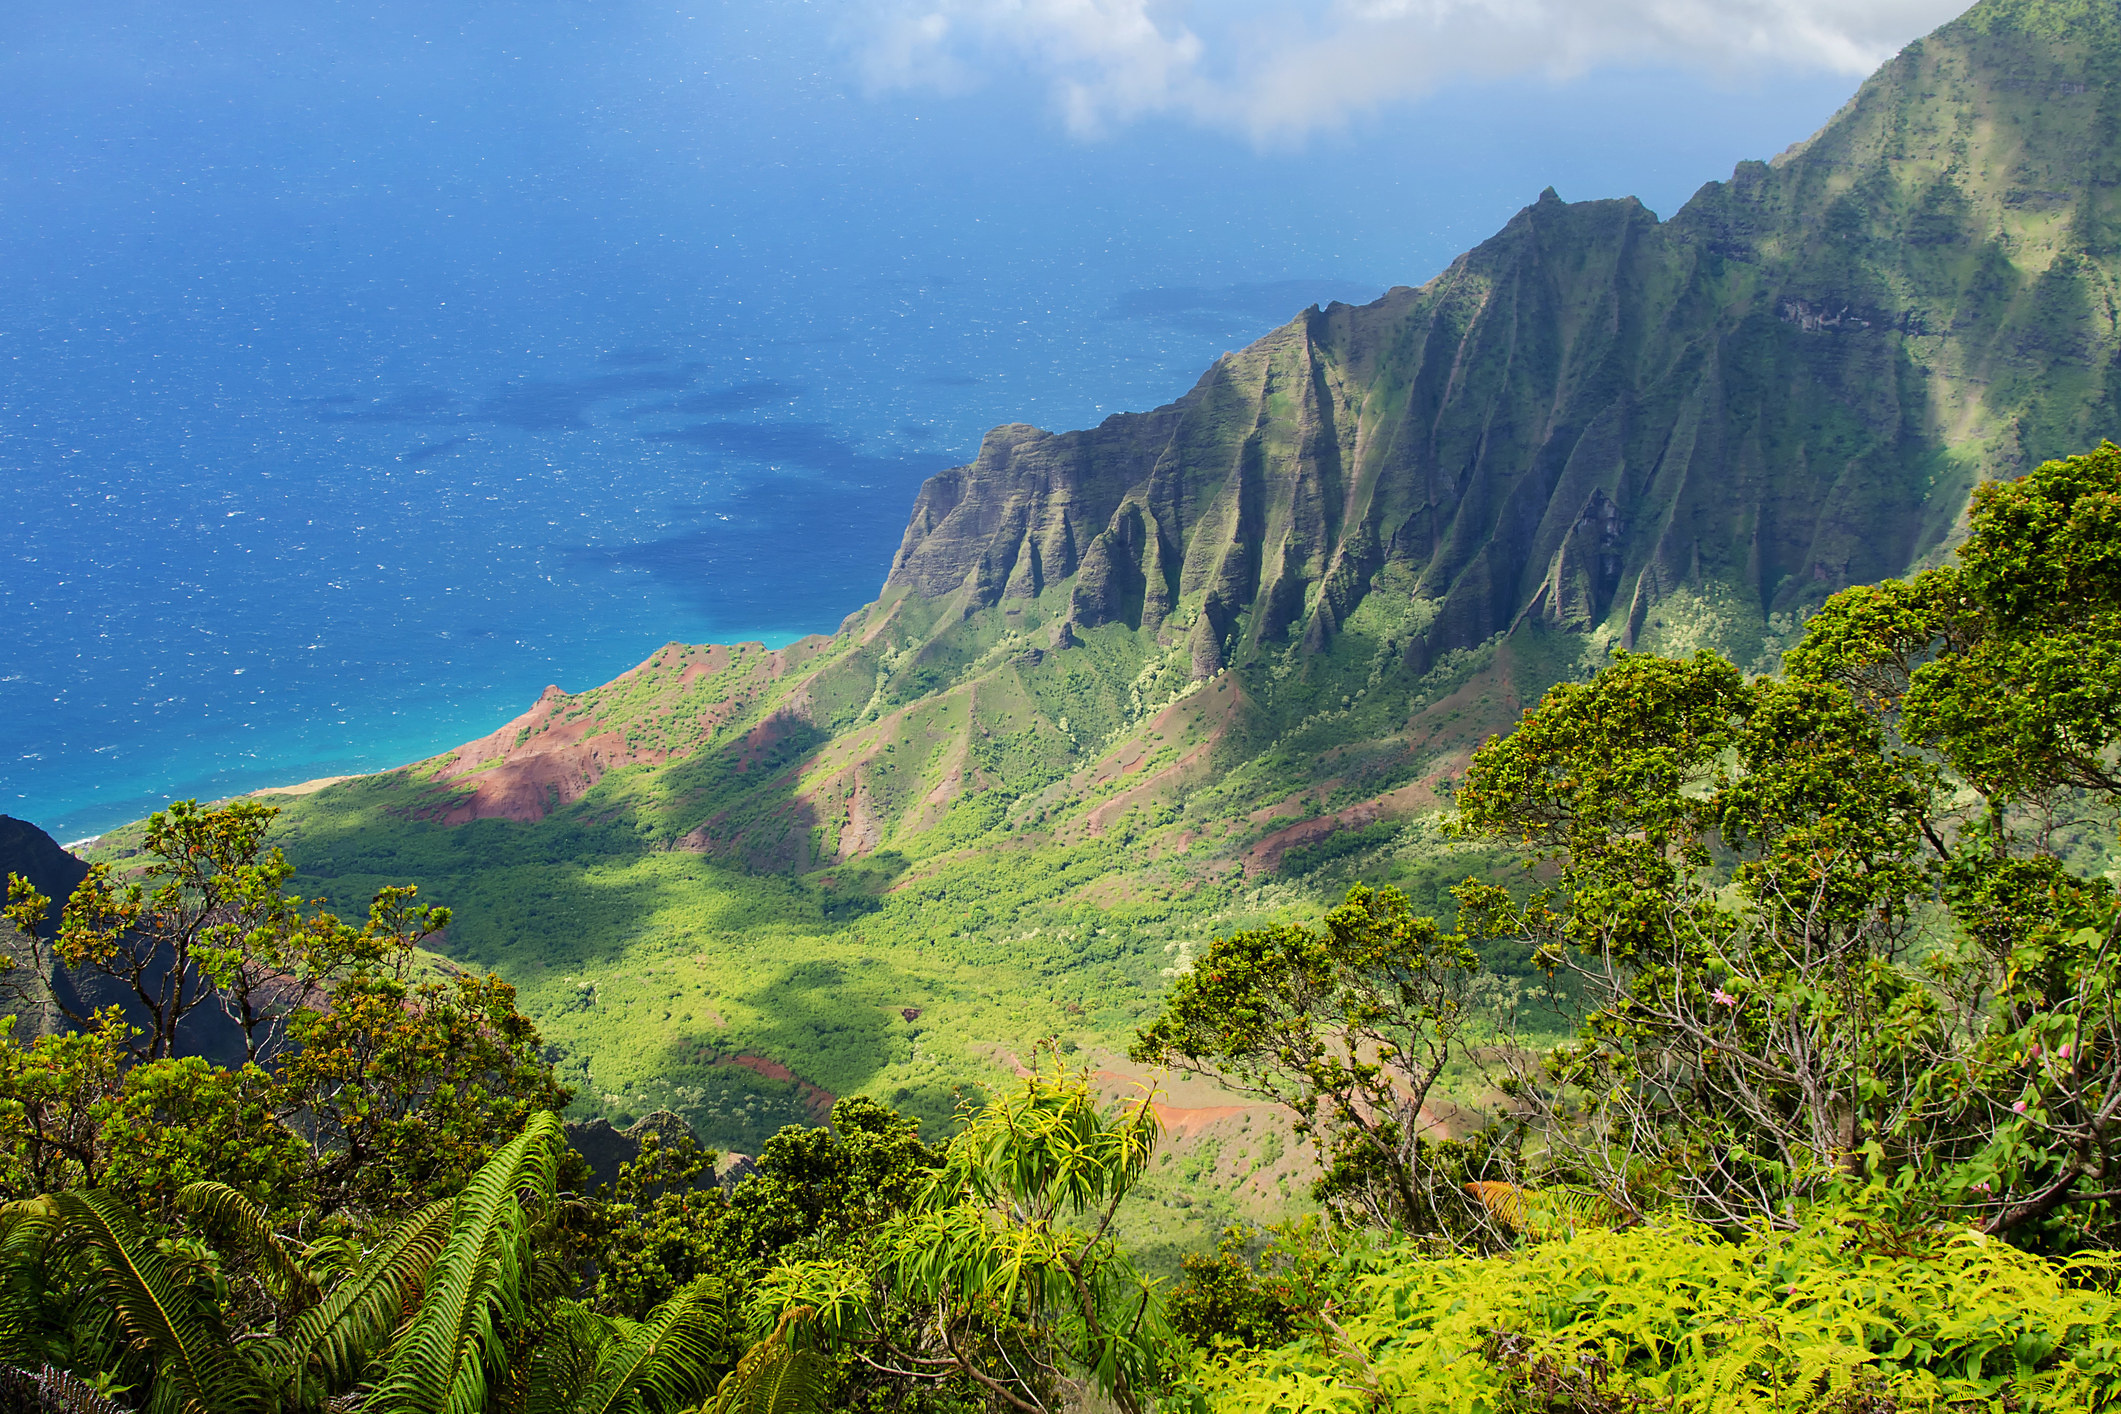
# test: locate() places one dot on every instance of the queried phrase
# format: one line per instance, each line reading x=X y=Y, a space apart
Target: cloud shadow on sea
x=744 y=397
x=776 y=555
x=812 y=446
x=551 y=404
x=532 y=404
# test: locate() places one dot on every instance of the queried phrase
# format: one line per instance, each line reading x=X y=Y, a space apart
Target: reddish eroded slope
x=535 y=764
x=1260 y=1173
x=1414 y=798
x=1168 y=756
x=898 y=775
x=817 y=1100
x=676 y=701
x=1446 y=732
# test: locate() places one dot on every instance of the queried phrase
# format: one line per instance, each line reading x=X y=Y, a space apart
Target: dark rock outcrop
x=609 y=1149
x=37 y=857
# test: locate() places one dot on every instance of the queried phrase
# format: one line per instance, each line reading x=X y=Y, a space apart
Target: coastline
x=300 y=787
x=399 y=746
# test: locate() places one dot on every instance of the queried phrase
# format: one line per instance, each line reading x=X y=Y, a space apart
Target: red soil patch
x=1182 y=1120
x=1431 y=728
x=542 y=761
x=817 y=1100
x=1266 y=855
x=1214 y=707
x=555 y=764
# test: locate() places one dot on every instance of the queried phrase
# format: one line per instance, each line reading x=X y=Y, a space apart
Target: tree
x=1735 y=895
x=205 y=920
x=54 y=1098
x=1749 y=878
x=1348 y=1026
x=2005 y=668
x=401 y=1089
x=832 y=1182
x=662 y=1224
x=204 y=889
x=74 y=1114
x=987 y=1279
x=377 y=1092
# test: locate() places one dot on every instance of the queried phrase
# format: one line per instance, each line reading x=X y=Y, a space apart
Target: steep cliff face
x=1383 y=531
x=1786 y=388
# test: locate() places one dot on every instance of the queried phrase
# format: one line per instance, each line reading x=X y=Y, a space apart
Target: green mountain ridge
x=1195 y=668
x=1786 y=388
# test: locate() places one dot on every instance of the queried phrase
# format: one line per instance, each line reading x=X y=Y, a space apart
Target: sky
x=1278 y=72
x=364 y=368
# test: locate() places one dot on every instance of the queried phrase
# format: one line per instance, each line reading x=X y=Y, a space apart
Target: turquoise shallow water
x=364 y=371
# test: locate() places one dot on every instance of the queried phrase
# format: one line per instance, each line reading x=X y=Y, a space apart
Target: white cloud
x=1279 y=69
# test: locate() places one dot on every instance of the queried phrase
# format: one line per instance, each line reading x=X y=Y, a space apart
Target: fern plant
x=778 y=1375
x=439 y=1315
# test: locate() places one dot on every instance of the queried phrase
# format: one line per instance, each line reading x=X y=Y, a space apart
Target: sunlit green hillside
x=1132 y=687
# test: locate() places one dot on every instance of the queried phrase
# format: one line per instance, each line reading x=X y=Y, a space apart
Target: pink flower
x=2019 y=1108
x=1722 y=998
x=2064 y=1052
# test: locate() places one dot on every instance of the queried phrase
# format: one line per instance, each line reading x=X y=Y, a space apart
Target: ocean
x=365 y=369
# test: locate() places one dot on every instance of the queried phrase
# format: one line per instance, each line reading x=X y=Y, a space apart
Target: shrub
x=1845 y=1313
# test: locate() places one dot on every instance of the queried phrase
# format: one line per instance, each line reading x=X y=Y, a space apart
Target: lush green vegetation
x=1764 y=1050
x=1852 y=1309
x=1836 y=1127
x=652 y=970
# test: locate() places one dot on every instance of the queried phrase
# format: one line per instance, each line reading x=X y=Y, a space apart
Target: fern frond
x=337 y=1337
x=46 y=1388
x=27 y=1297
x=226 y=1213
x=1503 y=1202
x=196 y=1370
x=444 y=1361
x=668 y=1357
x=774 y=1377
x=1544 y=1212
x=566 y=1361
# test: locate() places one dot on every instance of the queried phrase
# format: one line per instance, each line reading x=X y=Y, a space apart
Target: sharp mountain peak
x=1788 y=387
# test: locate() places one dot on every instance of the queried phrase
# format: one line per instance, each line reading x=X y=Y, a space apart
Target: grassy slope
x=1029 y=879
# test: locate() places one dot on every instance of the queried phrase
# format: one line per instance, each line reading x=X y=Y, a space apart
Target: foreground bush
x=1844 y=1314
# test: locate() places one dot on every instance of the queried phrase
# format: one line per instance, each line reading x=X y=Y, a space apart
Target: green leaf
x=453 y=1349
x=196 y=1370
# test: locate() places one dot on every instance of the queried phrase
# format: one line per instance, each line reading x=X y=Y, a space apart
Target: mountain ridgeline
x=1597 y=429
x=1122 y=683
x=1786 y=388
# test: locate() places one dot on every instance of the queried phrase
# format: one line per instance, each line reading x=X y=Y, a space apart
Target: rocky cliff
x=1786 y=388
x=1196 y=669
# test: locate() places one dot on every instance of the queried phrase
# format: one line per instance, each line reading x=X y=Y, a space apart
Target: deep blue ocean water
x=365 y=369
